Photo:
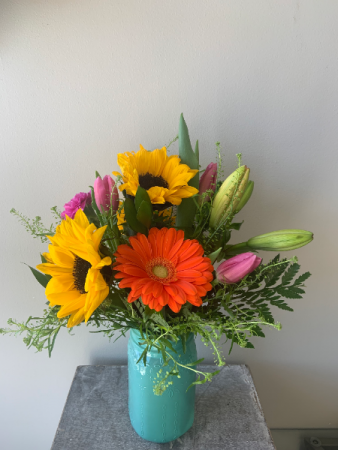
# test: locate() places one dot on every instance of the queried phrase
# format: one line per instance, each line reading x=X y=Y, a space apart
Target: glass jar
x=160 y=418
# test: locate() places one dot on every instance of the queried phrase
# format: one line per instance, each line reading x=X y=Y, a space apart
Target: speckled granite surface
x=228 y=414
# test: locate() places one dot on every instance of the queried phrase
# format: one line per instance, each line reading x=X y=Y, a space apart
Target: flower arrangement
x=151 y=251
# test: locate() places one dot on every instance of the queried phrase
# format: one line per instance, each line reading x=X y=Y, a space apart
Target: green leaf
x=290 y=274
x=195 y=363
x=143 y=356
x=141 y=196
x=302 y=278
x=164 y=355
x=116 y=302
x=275 y=274
x=91 y=216
x=157 y=317
x=168 y=344
x=281 y=305
x=94 y=205
x=40 y=277
x=236 y=226
x=237 y=249
x=131 y=219
x=52 y=343
x=249 y=345
x=207 y=377
x=43 y=259
x=257 y=331
x=145 y=213
x=184 y=342
x=214 y=255
x=187 y=209
x=290 y=292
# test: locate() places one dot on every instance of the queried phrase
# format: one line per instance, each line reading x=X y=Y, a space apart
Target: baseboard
x=294 y=439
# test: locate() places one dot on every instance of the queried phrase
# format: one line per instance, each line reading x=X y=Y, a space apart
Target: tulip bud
x=246 y=196
x=281 y=240
x=208 y=182
x=234 y=269
x=106 y=194
x=229 y=196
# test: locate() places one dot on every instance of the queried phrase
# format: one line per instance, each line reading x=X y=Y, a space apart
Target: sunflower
x=79 y=274
x=164 y=269
x=164 y=178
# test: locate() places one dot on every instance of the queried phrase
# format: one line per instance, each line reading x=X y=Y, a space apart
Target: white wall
x=83 y=80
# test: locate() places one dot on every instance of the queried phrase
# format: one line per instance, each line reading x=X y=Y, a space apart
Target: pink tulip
x=234 y=269
x=208 y=181
x=79 y=201
x=106 y=194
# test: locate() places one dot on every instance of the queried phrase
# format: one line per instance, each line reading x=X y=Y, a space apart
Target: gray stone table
x=228 y=414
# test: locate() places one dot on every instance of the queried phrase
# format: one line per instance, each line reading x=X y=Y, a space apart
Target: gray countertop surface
x=228 y=414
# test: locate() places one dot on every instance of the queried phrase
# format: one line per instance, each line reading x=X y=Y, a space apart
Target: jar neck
x=136 y=337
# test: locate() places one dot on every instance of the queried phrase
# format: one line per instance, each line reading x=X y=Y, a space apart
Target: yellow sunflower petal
x=60 y=284
x=47 y=257
x=80 y=218
x=157 y=194
x=52 y=269
x=61 y=256
x=76 y=318
x=80 y=232
x=104 y=262
x=176 y=195
x=96 y=301
x=170 y=166
x=72 y=306
x=63 y=298
x=97 y=236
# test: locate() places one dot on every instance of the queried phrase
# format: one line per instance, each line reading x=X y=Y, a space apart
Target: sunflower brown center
x=80 y=270
x=161 y=269
x=148 y=181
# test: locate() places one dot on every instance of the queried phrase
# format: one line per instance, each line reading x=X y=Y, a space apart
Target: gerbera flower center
x=80 y=270
x=148 y=181
x=161 y=269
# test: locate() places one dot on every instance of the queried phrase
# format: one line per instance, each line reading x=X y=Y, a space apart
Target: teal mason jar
x=160 y=418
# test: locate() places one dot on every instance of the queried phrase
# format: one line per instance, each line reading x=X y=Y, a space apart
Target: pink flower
x=208 y=180
x=234 y=269
x=106 y=194
x=78 y=202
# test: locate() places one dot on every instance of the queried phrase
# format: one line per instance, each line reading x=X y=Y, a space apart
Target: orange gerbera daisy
x=164 y=269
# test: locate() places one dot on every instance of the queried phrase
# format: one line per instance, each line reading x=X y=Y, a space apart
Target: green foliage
x=131 y=217
x=187 y=209
x=35 y=226
x=268 y=286
x=40 y=277
x=144 y=208
x=91 y=215
x=41 y=332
